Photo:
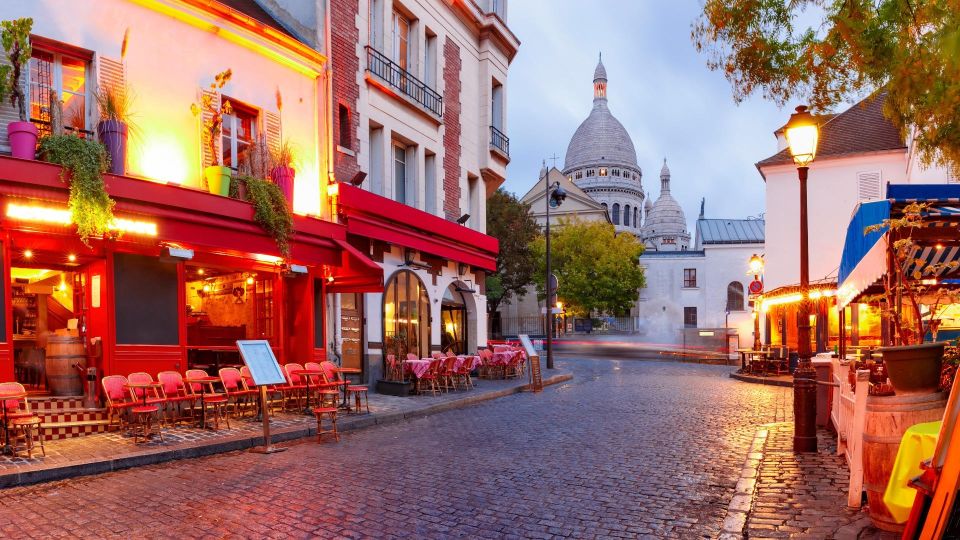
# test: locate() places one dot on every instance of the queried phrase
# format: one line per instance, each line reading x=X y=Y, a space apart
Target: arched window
x=406 y=316
x=616 y=213
x=604 y=205
x=626 y=215
x=735 y=296
x=636 y=220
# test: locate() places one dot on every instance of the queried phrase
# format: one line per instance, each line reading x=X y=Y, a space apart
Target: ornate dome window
x=603 y=172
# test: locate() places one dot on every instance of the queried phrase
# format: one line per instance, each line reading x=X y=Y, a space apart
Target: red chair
x=21 y=423
x=354 y=391
x=175 y=392
x=431 y=377
x=448 y=371
x=207 y=396
x=295 y=383
x=233 y=385
x=463 y=372
x=148 y=404
x=118 y=398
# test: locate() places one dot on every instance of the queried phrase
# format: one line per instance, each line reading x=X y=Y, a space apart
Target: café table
x=918 y=444
x=418 y=367
x=4 y=396
x=307 y=374
x=142 y=387
x=202 y=382
x=347 y=371
x=759 y=358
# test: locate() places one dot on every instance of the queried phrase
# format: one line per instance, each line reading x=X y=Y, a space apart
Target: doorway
x=351 y=328
x=453 y=322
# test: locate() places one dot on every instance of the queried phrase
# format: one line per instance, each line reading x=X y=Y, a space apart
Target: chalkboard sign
x=536 y=378
x=146 y=300
x=258 y=356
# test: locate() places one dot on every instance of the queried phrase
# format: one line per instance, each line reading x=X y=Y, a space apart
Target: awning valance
x=357 y=273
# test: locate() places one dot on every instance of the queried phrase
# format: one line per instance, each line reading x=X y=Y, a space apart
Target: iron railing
x=499 y=141
x=402 y=80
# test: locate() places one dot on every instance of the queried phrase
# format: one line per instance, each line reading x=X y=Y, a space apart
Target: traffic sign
x=756 y=286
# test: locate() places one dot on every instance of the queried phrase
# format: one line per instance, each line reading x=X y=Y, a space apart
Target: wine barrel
x=886 y=421
x=62 y=353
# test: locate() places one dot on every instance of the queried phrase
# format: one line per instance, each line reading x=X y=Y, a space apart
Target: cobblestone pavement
x=626 y=449
x=804 y=495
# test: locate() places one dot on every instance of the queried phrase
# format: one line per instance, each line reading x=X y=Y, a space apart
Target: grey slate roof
x=730 y=231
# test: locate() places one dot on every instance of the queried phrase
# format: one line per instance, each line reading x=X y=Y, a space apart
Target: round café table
x=202 y=382
x=307 y=374
x=141 y=388
x=347 y=371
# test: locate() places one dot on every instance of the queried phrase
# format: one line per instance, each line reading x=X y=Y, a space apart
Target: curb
x=739 y=507
x=153 y=456
x=761 y=380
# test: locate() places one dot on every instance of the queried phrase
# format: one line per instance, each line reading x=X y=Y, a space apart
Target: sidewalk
x=105 y=452
x=772 y=380
x=801 y=495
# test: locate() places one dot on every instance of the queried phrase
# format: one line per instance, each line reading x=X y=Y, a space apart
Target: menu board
x=258 y=356
x=536 y=378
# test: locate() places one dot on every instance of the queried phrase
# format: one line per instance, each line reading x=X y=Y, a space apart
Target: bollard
x=90 y=396
x=805 y=408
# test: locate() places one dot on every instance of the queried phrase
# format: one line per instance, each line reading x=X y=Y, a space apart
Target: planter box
x=394 y=388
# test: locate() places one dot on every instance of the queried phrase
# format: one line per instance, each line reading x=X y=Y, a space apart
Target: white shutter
x=271 y=128
x=868 y=186
x=110 y=73
x=207 y=116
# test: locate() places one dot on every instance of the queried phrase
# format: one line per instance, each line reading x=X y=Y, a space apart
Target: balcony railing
x=499 y=141
x=404 y=81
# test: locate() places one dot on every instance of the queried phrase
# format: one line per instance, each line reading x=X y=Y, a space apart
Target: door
x=351 y=328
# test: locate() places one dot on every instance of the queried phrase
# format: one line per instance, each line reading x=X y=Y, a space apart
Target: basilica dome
x=665 y=227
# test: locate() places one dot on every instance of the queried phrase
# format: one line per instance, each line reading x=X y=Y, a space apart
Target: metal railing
x=404 y=81
x=499 y=141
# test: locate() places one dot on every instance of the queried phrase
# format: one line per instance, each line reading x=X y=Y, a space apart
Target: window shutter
x=868 y=186
x=207 y=116
x=271 y=127
x=110 y=73
x=8 y=113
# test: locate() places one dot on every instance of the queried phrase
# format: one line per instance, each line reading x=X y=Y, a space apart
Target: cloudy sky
x=659 y=88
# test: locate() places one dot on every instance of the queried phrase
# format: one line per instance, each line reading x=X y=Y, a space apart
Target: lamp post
x=756 y=268
x=555 y=196
x=802 y=134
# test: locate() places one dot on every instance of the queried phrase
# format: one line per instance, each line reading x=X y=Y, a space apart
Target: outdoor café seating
x=20 y=424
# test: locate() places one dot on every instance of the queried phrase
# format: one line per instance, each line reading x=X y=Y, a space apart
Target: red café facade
x=133 y=295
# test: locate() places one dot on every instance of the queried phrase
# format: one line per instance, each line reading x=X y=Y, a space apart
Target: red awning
x=357 y=273
x=379 y=218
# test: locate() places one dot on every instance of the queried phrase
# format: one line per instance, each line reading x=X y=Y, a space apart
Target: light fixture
x=802 y=134
x=206 y=288
x=71 y=257
x=333 y=189
x=250 y=280
x=329 y=279
x=27 y=254
x=408 y=256
x=463 y=219
x=462 y=269
x=175 y=254
x=756 y=264
x=200 y=271
x=299 y=269
x=358 y=178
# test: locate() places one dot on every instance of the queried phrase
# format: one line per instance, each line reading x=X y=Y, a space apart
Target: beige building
x=577 y=204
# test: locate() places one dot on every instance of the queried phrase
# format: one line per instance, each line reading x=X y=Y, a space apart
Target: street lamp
x=756 y=268
x=802 y=134
x=555 y=195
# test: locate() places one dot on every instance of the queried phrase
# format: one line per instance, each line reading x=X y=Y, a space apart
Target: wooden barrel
x=62 y=353
x=886 y=421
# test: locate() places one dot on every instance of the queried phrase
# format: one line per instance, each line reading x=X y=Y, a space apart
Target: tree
x=509 y=221
x=907 y=48
x=598 y=270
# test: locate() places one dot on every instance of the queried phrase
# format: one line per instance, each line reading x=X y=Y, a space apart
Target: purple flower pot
x=23 y=139
x=283 y=178
x=113 y=135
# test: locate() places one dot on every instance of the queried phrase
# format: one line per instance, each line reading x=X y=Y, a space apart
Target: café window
x=406 y=316
x=689 y=278
x=67 y=77
x=690 y=317
x=239 y=133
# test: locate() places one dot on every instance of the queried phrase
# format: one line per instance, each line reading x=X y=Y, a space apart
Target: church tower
x=665 y=226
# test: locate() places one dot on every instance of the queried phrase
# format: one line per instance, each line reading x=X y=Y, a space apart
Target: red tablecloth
x=417 y=367
x=502 y=358
x=470 y=362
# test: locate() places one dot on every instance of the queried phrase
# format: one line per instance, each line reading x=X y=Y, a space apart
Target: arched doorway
x=406 y=316
x=453 y=321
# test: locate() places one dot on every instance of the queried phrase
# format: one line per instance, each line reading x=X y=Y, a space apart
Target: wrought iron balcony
x=499 y=141
x=402 y=80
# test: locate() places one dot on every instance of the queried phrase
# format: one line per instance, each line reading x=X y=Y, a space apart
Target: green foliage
x=15 y=37
x=599 y=271
x=910 y=50
x=285 y=155
x=213 y=124
x=270 y=209
x=84 y=161
x=509 y=221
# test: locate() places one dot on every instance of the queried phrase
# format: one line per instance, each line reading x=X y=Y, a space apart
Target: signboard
x=756 y=286
x=258 y=356
x=536 y=379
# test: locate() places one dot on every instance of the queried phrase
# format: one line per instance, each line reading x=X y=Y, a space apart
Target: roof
x=862 y=128
x=730 y=231
x=253 y=10
x=650 y=254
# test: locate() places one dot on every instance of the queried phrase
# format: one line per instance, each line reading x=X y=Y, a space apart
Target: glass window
x=239 y=133
x=401 y=39
x=406 y=316
x=636 y=218
x=626 y=215
x=374 y=27
x=64 y=75
x=603 y=171
x=616 y=213
x=689 y=317
x=689 y=277
x=344 y=124
x=399 y=173
x=735 y=296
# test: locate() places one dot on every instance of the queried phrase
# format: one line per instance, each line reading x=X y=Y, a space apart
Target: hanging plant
x=84 y=161
x=270 y=210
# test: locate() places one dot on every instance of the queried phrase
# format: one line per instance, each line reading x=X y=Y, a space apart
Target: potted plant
x=914 y=367
x=216 y=175
x=15 y=36
x=396 y=345
x=113 y=101
x=283 y=172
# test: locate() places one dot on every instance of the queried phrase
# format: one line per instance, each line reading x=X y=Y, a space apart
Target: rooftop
x=730 y=231
x=862 y=128
x=252 y=9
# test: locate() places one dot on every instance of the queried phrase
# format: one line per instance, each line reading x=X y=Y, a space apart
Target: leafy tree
x=509 y=221
x=598 y=270
x=908 y=48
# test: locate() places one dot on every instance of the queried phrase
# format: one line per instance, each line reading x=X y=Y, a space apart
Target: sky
x=659 y=88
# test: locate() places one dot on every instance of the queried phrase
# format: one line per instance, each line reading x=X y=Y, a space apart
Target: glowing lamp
x=333 y=189
x=560 y=306
x=250 y=280
x=802 y=134
x=71 y=257
x=756 y=264
x=27 y=254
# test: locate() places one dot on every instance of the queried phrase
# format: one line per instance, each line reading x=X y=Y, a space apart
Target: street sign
x=756 y=286
x=554 y=286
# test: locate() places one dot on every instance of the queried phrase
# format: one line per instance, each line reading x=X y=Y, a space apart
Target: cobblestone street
x=625 y=449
